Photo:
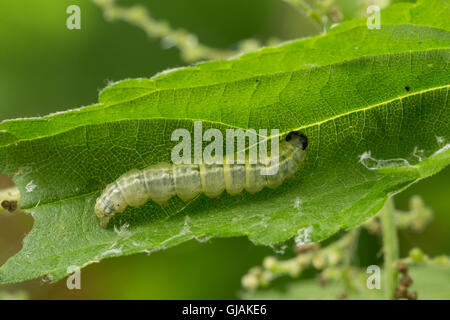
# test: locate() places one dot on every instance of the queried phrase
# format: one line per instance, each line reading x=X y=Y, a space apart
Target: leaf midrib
x=399 y=98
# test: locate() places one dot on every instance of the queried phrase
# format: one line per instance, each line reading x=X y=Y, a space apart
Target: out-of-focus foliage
x=431 y=282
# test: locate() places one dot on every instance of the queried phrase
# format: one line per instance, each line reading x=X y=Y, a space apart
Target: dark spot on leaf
x=407 y=88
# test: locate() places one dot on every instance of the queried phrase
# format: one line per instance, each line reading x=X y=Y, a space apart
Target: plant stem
x=390 y=248
x=191 y=49
x=309 y=12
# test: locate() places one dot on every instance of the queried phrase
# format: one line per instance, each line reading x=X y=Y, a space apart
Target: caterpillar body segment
x=163 y=181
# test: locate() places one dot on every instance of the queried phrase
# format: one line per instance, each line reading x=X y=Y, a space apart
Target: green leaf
x=372 y=102
x=430 y=282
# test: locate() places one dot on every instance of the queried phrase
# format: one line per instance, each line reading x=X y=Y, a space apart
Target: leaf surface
x=373 y=103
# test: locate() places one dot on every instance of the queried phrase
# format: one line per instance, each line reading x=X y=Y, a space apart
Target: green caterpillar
x=162 y=181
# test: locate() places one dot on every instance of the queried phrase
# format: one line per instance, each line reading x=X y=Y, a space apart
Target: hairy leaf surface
x=374 y=104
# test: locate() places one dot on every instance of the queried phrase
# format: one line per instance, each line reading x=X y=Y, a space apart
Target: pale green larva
x=162 y=181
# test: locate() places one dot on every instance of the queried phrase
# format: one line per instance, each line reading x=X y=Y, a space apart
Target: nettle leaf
x=374 y=104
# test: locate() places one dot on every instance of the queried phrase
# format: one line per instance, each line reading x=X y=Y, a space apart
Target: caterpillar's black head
x=297 y=139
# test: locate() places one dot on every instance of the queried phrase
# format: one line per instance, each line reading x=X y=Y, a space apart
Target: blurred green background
x=44 y=67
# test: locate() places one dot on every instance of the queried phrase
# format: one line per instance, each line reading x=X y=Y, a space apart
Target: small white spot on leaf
x=418 y=153
x=30 y=186
x=298 y=204
x=112 y=252
x=372 y=163
x=440 y=140
x=303 y=236
x=123 y=230
x=444 y=148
